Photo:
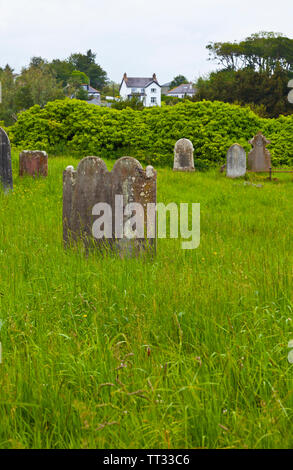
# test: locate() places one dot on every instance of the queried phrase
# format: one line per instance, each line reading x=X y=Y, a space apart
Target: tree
x=74 y=87
x=62 y=70
x=261 y=52
x=178 y=80
x=7 y=106
x=265 y=93
x=36 y=85
x=254 y=71
x=87 y=63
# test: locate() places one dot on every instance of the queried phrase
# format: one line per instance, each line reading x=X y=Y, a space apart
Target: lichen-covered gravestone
x=5 y=162
x=127 y=184
x=33 y=162
x=183 y=156
x=259 y=158
x=236 y=161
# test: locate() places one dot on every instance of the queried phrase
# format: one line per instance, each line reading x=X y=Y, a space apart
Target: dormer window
x=153 y=90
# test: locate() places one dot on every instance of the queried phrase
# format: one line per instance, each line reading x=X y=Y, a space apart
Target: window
x=142 y=90
x=153 y=90
x=153 y=100
x=133 y=90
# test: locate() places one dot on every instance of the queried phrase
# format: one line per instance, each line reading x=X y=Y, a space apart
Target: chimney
x=125 y=77
x=155 y=77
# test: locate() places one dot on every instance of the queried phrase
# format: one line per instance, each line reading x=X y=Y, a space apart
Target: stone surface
x=236 y=161
x=290 y=94
x=259 y=158
x=183 y=156
x=91 y=184
x=33 y=162
x=5 y=162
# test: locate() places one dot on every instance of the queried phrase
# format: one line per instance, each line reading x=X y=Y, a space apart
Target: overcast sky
x=139 y=37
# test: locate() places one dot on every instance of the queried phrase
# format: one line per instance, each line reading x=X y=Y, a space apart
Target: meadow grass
x=188 y=350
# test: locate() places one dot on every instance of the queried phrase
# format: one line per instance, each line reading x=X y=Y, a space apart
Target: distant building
x=93 y=95
x=181 y=91
x=147 y=89
x=165 y=88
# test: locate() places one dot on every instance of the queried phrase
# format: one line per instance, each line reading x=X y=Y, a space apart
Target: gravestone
x=236 y=161
x=183 y=156
x=259 y=158
x=5 y=162
x=33 y=162
x=290 y=95
x=126 y=184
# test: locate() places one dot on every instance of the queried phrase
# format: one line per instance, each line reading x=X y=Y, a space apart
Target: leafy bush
x=149 y=135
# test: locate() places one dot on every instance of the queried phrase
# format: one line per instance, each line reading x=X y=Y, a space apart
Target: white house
x=147 y=89
x=181 y=91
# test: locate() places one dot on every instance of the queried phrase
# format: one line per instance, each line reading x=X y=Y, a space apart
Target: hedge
x=75 y=126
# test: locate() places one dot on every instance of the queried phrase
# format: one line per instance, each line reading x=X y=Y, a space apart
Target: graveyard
x=184 y=349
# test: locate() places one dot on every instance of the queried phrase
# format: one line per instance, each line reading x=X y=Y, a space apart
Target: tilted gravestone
x=33 y=162
x=92 y=184
x=5 y=162
x=259 y=158
x=183 y=156
x=236 y=161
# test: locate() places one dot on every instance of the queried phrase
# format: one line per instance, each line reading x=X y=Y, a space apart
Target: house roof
x=90 y=89
x=139 y=82
x=181 y=89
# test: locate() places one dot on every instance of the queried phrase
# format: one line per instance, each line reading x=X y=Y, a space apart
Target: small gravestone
x=183 y=156
x=34 y=163
x=236 y=161
x=5 y=162
x=290 y=95
x=84 y=191
x=259 y=158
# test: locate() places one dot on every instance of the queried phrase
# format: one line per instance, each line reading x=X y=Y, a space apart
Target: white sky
x=139 y=37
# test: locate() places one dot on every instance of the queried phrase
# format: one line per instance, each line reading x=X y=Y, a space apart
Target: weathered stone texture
x=259 y=158
x=5 y=162
x=183 y=155
x=91 y=184
x=236 y=161
x=33 y=162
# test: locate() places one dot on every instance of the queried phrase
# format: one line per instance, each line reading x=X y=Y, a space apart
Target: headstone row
x=259 y=158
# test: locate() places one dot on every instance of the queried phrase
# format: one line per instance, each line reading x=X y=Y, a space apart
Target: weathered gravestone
x=259 y=158
x=5 y=162
x=290 y=95
x=127 y=184
x=33 y=162
x=236 y=161
x=183 y=156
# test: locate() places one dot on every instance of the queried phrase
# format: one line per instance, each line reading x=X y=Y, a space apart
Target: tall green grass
x=188 y=350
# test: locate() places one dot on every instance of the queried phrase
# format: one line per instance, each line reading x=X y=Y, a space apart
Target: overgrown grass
x=186 y=351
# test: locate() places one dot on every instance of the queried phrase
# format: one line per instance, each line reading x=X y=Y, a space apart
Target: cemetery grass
x=186 y=350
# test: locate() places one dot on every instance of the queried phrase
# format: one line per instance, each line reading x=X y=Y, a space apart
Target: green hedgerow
x=84 y=129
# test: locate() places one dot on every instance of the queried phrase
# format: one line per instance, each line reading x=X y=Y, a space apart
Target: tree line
x=42 y=81
x=254 y=72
